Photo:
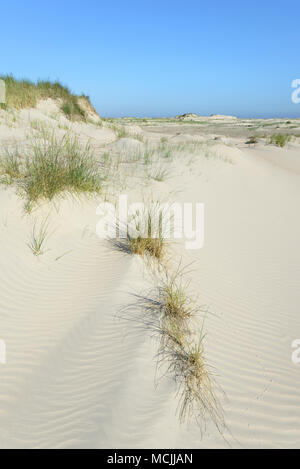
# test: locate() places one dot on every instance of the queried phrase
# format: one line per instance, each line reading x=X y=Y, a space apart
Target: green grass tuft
x=172 y=314
x=53 y=166
x=148 y=238
x=24 y=94
x=151 y=246
x=10 y=165
x=38 y=238
x=59 y=165
x=174 y=301
x=280 y=140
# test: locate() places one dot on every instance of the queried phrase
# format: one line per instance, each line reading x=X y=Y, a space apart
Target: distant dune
x=196 y=117
x=222 y=117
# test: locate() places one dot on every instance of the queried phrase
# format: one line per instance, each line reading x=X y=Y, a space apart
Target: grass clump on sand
x=280 y=140
x=151 y=246
x=159 y=174
x=71 y=108
x=37 y=240
x=143 y=234
x=53 y=165
x=24 y=94
x=253 y=140
x=182 y=357
x=195 y=386
x=118 y=130
x=10 y=166
x=58 y=165
x=122 y=132
x=146 y=237
x=172 y=314
x=175 y=302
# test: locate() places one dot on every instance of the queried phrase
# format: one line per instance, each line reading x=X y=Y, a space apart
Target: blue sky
x=160 y=58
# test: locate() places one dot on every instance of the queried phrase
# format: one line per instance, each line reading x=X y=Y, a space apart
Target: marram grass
x=52 y=166
x=38 y=238
x=182 y=357
x=172 y=315
x=280 y=140
x=148 y=238
x=24 y=94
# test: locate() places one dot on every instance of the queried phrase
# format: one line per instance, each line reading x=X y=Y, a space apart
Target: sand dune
x=81 y=375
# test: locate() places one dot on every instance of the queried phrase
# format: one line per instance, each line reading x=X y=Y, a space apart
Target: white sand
x=79 y=376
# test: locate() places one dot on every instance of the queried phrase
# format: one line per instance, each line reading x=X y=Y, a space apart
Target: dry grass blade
x=186 y=362
x=38 y=238
x=10 y=165
x=169 y=312
x=144 y=233
x=151 y=246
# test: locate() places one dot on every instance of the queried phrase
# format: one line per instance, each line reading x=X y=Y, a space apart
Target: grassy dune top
x=22 y=94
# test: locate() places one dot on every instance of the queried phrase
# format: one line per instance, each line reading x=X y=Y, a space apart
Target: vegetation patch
x=25 y=94
x=280 y=140
x=53 y=165
x=38 y=238
x=252 y=141
x=148 y=236
x=171 y=312
x=10 y=166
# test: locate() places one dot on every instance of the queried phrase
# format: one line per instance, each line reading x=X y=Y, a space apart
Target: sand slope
x=79 y=375
x=248 y=273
